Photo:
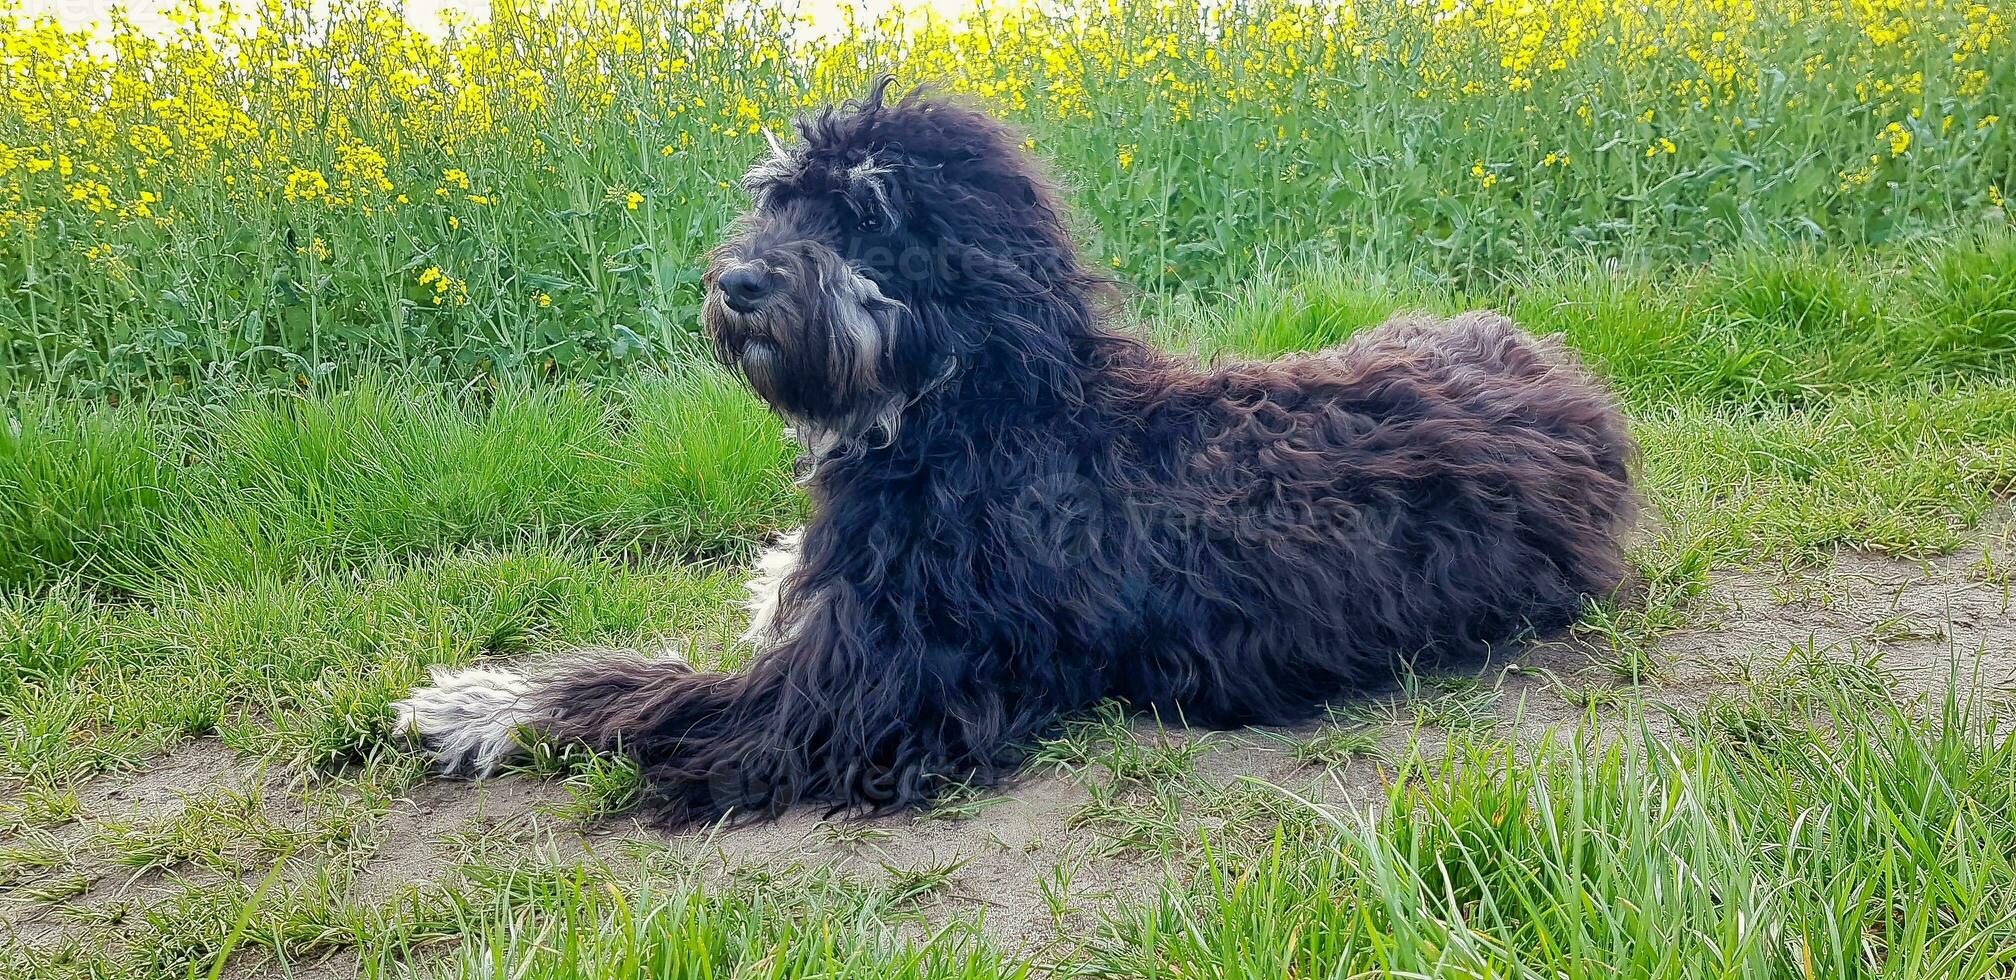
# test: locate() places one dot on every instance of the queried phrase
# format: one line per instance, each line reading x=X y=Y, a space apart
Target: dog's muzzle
x=739 y=309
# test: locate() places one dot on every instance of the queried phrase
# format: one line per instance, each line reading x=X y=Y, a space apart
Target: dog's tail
x=795 y=727
x=477 y=720
x=690 y=730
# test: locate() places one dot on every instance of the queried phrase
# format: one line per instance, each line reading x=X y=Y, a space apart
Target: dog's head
x=851 y=289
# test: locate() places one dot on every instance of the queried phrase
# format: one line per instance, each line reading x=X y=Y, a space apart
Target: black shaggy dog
x=1019 y=512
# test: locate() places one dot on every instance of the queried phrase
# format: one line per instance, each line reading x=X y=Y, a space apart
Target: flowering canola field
x=285 y=191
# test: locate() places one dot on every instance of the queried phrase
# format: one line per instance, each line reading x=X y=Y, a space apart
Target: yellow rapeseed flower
x=306 y=185
x=1898 y=138
x=446 y=288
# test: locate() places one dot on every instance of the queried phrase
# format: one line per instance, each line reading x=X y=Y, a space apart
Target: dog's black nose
x=745 y=287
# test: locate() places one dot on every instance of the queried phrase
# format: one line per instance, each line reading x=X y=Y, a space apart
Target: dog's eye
x=869 y=222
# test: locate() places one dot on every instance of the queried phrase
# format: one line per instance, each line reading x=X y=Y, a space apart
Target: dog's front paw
x=469 y=718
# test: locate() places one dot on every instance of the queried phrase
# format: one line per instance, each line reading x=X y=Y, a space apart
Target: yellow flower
x=306 y=185
x=545 y=301
x=93 y=194
x=447 y=288
x=1898 y=137
x=362 y=168
x=1995 y=197
x=632 y=199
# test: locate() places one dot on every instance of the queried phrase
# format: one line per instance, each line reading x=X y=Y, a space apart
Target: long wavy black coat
x=1019 y=511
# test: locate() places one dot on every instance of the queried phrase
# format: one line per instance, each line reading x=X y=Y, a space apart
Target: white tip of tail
x=469 y=718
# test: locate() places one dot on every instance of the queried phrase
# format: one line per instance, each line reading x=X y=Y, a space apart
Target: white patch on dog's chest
x=772 y=567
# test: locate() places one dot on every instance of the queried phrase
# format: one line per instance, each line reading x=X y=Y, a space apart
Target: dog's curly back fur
x=1020 y=511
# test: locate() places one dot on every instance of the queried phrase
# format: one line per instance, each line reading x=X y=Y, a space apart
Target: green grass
x=304 y=669
x=548 y=919
x=1867 y=843
x=1778 y=327
x=1897 y=473
x=135 y=498
x=777 y=932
